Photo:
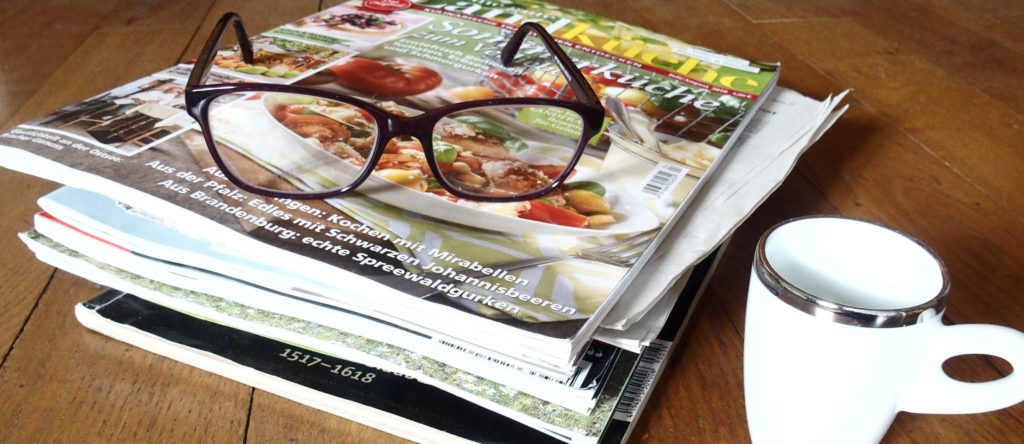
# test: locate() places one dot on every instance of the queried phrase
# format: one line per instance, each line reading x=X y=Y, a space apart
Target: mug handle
x=936 y=392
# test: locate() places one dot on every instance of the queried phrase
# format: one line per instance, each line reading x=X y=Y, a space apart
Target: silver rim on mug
x=842 y=313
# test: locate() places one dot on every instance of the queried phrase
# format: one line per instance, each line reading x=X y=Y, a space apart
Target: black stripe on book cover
x=384 y=391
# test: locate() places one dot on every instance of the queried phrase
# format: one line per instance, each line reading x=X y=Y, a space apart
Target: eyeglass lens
x=316 y=144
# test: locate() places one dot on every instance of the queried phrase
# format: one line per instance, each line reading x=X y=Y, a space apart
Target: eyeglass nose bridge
x=420 y=126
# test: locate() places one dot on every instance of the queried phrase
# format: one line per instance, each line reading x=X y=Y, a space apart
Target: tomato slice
x=542 y=212
x=389 y=79
x=551 y=171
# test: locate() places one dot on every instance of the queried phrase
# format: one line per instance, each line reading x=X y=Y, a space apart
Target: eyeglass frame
x=199 y=97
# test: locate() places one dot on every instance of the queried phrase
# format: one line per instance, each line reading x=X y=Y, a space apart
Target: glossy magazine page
x=542 y=269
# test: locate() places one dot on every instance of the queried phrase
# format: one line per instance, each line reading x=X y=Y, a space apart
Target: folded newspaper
x=525 y=281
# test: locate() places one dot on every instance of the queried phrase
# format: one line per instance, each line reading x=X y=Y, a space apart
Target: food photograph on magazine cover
x=512 y=201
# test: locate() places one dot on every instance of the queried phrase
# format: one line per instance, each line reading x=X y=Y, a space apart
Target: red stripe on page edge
x=79 y=230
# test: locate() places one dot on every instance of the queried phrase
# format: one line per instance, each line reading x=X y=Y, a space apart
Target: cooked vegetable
x=412 y=179
x=586 y=202
x=253 y=69
x=600 y=220
x=593 y=187
x=542 y=212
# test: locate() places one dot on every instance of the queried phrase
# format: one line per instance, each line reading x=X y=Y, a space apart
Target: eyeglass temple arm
x=209 y=52
x=578 y=83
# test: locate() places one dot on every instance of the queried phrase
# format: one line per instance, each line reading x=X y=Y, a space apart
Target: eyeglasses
x=325 y=143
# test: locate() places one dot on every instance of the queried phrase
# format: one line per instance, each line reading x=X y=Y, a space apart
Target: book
x=398 y=254
x=390 y=402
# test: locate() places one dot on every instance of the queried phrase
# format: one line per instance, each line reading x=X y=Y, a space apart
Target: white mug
x=843 y=331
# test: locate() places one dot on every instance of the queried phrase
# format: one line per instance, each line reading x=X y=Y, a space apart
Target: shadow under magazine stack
x=496 y=304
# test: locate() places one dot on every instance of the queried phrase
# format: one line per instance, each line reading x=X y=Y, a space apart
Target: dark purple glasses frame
x=199 y=97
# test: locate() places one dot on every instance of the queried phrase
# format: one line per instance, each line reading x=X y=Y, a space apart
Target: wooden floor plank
x=103 y=54
x=961 y=52
x=29 y=59
x=22 y=277
x=915 y=92
x=761 y=11
x=97 y=42
x=275 y=419
x=977 y=43
x=63 y=383
x=1001 y=21
x=975 y=135
x=257 y=17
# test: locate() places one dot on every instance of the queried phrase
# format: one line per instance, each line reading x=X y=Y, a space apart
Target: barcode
x=640 y=382
x=662 y=178
x=499 y=361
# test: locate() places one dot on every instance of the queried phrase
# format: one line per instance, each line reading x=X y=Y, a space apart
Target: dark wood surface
x=931 y=145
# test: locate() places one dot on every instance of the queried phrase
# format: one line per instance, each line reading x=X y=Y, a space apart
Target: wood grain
x=930 y=146
x=275 y=419
x=63 y=383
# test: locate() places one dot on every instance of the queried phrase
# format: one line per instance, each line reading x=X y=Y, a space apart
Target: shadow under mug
x=843 y=331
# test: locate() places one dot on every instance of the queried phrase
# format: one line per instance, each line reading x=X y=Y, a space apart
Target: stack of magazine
x=399 y=303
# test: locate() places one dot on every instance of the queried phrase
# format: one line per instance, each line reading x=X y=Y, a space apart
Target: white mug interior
x=854 y=263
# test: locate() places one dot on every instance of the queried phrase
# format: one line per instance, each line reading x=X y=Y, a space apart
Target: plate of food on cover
x=360 y=22
x=328 y=142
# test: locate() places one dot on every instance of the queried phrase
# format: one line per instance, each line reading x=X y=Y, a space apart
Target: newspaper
x=785 y=128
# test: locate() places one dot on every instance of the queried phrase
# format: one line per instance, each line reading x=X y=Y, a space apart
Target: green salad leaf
x=516 y=145
x=444 y=152
x=587 y=185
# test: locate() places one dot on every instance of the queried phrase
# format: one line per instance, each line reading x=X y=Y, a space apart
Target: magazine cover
x=545 y=266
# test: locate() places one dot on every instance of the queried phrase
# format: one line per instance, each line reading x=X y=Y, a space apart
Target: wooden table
x=931 y=145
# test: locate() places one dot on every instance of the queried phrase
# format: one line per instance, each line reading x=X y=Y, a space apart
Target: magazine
x=527 y=278
x=277 y=367
x=340 y=344
x=191 y=290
